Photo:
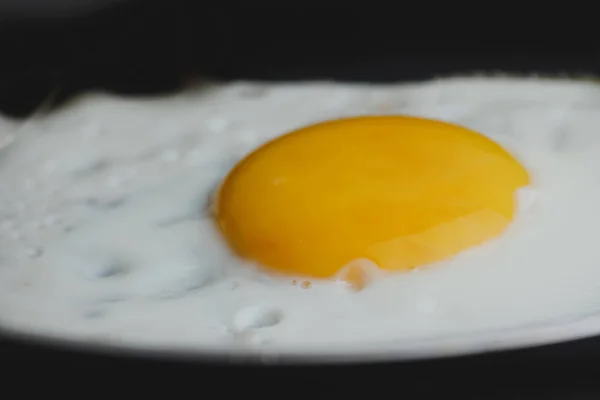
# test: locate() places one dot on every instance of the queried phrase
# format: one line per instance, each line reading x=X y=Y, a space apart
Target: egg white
x=106 y=232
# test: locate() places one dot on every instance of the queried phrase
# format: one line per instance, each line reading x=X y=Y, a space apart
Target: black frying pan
x=52 y=52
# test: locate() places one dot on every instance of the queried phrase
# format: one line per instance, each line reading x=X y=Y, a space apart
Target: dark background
x=54 y=48
x=51 y=50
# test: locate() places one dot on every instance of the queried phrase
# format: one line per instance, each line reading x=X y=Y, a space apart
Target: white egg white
x=106 y=232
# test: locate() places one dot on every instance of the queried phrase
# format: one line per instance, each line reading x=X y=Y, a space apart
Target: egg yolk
x=399 y=191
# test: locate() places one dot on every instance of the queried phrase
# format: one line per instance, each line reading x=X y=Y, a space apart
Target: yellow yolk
x=399 y=191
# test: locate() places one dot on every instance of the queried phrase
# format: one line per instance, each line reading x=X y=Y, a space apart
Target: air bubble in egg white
x=256 y=317
x=51 y=220
x=358 y=274
x=33 y=252
x=101 y=268
x=169 y=279
x=95 y=313
x=112 y=270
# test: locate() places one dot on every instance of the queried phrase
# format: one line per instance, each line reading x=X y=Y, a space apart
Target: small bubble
x=256 y=317
x=306 y=285
x=181 y=279
x=358 y=274
x=33 y=252
x=92 y=168
x=51 y=220
x=112 y=269
x=191 y=282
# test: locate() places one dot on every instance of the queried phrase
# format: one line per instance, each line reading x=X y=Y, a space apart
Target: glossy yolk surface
x=399 y=191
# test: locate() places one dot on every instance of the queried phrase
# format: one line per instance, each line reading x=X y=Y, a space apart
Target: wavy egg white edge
x=129 y=159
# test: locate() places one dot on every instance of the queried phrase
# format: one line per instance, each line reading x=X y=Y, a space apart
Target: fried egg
x=305 y=217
